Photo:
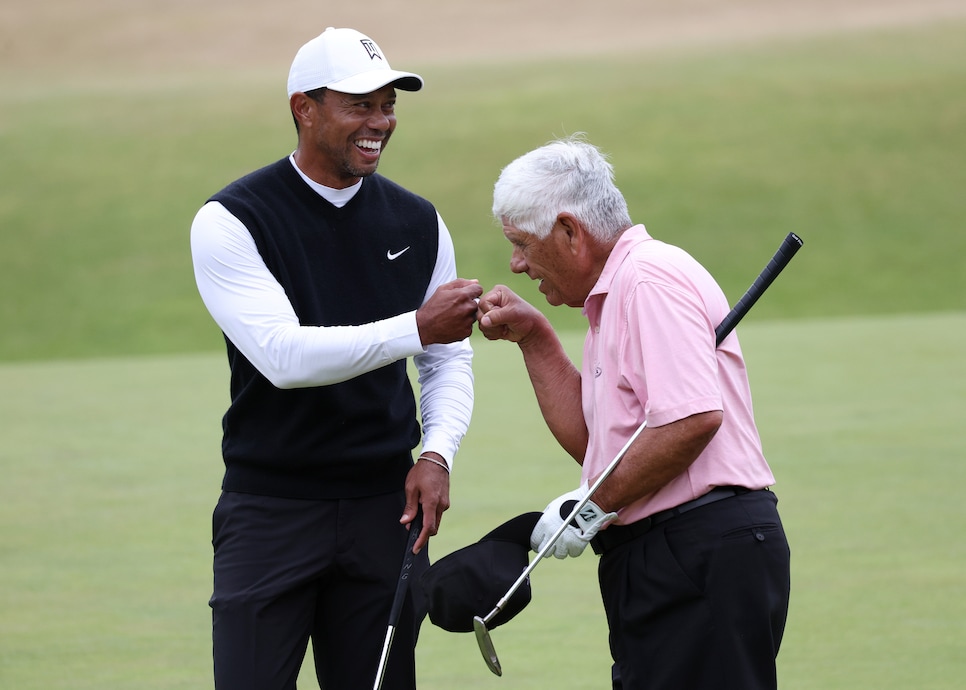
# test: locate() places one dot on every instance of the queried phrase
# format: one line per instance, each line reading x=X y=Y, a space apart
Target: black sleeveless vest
x=347 y=439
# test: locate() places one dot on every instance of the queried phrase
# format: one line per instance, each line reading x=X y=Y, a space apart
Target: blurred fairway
x=113 y=379
x=110 y=471
x=857 y=145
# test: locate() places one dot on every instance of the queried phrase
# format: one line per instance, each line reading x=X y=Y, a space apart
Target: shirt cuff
x=400 y=336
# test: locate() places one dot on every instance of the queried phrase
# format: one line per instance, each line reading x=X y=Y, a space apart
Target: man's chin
x=367 y=171
x=553 y=299
x=362 y=168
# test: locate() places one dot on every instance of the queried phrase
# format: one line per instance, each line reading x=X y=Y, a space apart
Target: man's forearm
x=556 y=383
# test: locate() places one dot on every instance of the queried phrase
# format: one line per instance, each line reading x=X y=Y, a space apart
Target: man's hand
x=427 y=484
x=504 y=315
x=579 y=532
x=448 y=315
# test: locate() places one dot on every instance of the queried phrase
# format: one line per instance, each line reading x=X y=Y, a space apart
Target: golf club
x=790 y=245
x=414 y=529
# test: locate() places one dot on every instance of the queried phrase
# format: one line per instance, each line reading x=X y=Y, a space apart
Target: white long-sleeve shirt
x=253 y=311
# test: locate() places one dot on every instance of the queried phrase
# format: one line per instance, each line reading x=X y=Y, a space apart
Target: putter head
x=486 y=646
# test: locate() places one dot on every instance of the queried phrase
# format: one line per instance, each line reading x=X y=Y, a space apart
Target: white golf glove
x=579 y=532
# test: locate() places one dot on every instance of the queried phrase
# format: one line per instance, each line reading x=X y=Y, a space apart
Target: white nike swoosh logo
x=392 y=256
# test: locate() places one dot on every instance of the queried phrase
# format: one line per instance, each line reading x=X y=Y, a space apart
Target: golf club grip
x=791 y=244
x=415 y=527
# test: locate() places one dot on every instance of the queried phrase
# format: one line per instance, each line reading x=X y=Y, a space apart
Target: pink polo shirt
x=650 y=352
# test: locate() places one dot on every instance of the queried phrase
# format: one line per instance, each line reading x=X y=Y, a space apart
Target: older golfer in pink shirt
x=694 y=568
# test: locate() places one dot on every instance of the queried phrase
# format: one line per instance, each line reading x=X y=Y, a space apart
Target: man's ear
x=574 y=230
x=301 y=106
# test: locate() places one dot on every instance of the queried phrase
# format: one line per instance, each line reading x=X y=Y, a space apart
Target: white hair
x=566 y=175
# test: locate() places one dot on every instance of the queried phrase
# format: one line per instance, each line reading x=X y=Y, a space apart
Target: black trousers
x=286 y=570
x=700 y=601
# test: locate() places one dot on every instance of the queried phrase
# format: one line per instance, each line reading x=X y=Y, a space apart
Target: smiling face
x=557 y=261
x=342 y=136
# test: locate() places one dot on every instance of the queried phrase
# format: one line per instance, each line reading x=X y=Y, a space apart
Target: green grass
x=856 y=145
x=111 y=468
x=110 y=422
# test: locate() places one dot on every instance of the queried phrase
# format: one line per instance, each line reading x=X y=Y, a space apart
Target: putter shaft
x=483 y=639
x=385 y=656
x=562 y=528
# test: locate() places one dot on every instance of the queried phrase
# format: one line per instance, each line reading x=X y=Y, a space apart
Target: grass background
x=112 y=379
x=109 y=480
x=856 y=145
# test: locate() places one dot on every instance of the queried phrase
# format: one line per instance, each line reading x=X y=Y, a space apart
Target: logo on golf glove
x=579 y=531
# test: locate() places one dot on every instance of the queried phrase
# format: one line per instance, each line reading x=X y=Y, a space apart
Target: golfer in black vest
x=325 y=277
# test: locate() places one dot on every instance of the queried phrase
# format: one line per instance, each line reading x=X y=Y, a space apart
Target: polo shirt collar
x=629 y=239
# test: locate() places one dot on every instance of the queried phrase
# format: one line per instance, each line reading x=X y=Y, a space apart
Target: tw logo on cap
x=371 y=49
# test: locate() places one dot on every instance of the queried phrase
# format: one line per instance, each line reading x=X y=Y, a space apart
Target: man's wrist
x=435 y=459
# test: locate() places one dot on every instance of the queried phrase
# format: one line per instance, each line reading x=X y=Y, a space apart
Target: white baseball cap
x=347 y=61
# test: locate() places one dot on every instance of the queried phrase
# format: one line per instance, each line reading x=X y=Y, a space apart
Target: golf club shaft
x=790 y=245
x=562 y=528
x=415 y=527
x=381 y=672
